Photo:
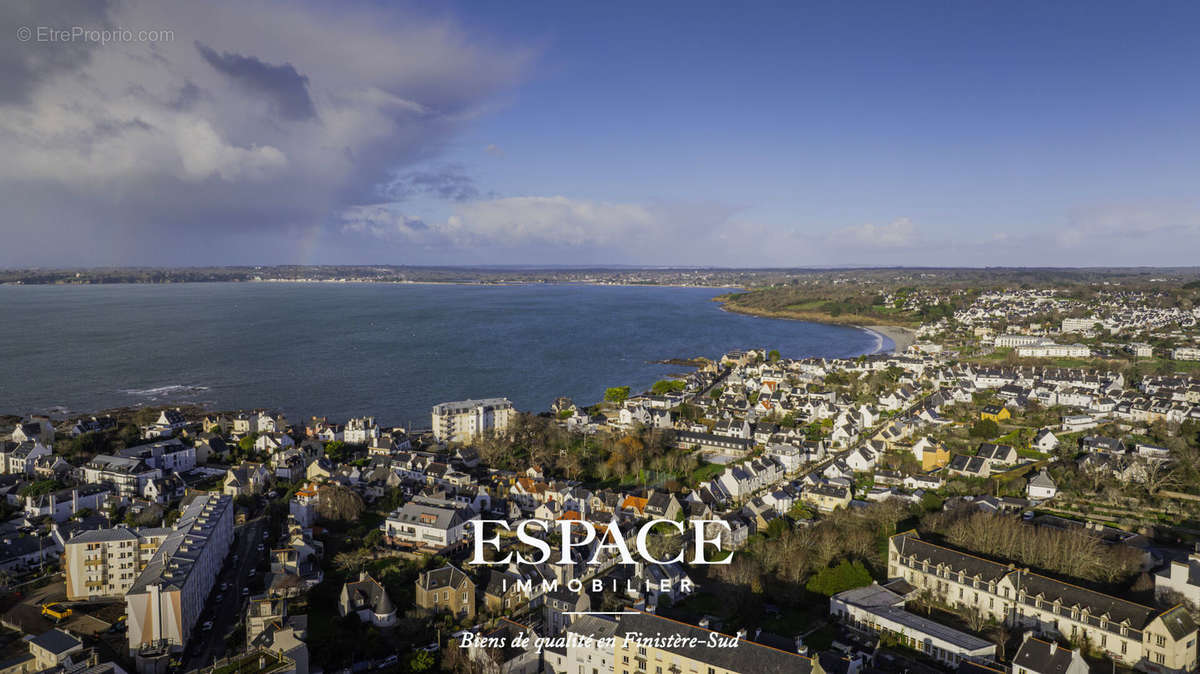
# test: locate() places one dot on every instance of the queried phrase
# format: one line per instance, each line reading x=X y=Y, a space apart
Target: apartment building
x=465 y=420
x=166 y=455
x=1048 y=349
x=1016 y=340
x=1185 y=353
x=361 y=431
x=104 y=562
x=167 y=597
x=127 y=475
x=1148 y=639
x=1079 y=324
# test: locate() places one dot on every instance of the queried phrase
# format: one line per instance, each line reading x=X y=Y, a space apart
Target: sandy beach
x=901 y=337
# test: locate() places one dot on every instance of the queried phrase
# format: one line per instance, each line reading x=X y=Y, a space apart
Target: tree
x=338 y=451
x=666 y=386
x=773 y=355
x=351 y=561
x=985 y=428
x=420 y=661
x=246 y=444
x=373 y=539
x=40 y=488
x=616 y=394
x=834 y=579
x=339 y=503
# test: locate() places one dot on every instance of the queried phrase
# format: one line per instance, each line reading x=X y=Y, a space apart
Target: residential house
x=367 y=599
x=447 y=590
x=246 y=479
x=1041 y=487
x=1036 y=656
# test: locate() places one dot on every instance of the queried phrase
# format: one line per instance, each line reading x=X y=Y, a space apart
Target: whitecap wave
x=170 y=389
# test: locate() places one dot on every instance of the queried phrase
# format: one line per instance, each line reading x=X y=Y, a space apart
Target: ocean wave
x=160 y=391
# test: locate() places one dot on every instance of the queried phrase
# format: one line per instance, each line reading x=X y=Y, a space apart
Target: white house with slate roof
x=427 y=525
x=367 y=599
x=1041 y=487
x=127 y=475
x=18 y=458
x=1036 y=656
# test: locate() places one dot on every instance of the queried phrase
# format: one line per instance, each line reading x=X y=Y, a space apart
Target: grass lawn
x=706 y=472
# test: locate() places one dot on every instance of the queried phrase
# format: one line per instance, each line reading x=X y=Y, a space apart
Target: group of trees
x=532 y=440
x=1069 y=552
x=787 y=562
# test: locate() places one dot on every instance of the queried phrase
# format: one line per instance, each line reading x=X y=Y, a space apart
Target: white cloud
x=900 y=233
x=514 y=222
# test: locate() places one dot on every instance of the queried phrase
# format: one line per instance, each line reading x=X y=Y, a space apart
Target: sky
x=581 y=133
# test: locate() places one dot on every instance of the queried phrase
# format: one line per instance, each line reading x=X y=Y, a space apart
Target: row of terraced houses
x=1149 y=639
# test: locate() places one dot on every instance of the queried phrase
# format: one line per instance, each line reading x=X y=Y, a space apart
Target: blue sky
x=686 y=133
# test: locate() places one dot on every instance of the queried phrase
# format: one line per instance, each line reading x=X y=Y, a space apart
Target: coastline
x=902 y=337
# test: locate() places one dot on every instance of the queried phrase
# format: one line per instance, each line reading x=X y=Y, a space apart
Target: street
x=207 y=646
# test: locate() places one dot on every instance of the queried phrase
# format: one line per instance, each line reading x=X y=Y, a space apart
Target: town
x=1014 y=490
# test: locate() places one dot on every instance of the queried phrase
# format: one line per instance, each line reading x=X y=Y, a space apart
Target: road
x=207 y=646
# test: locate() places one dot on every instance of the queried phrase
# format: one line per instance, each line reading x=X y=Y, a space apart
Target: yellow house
x=935 y=457
x=995 y=413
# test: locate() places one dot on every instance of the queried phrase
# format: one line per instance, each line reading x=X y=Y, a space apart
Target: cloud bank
x=255 y=124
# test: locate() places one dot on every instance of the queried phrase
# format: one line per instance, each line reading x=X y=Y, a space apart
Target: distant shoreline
x=901 y=337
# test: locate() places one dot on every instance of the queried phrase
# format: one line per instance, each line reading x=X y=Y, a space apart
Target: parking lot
x=86 y=618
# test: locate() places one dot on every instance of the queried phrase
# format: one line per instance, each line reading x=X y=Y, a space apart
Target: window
x=1161 y=640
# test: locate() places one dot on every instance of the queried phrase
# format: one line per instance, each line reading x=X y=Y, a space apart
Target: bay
x=388 y=350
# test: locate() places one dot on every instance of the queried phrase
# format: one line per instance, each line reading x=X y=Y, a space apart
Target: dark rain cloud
x=284 y=88
x=27 y=61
